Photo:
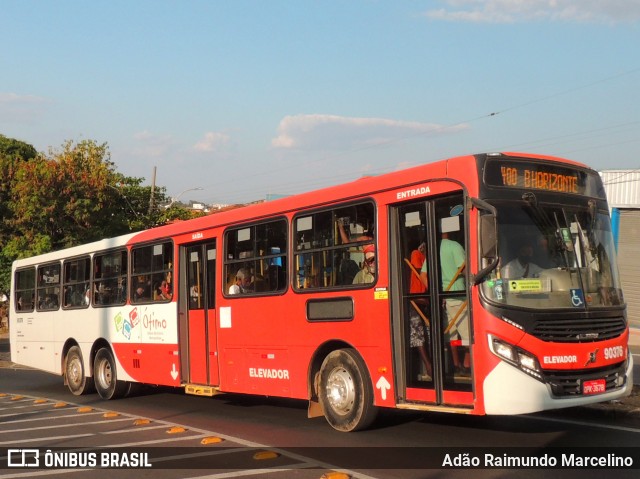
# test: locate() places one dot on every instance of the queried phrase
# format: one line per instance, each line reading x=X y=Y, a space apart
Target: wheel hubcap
x=341 y=391
x=73 y=371
x=105 y=374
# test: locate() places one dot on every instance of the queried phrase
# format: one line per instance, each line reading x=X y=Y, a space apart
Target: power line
x=570 y=135
x=561 y=93
x=327 y=158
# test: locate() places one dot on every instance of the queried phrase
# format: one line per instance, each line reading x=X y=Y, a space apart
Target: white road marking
x=586 y=424
x=305 y=462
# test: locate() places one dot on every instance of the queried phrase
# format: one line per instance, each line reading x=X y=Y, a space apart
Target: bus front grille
x=569 y=383
x=578 y=330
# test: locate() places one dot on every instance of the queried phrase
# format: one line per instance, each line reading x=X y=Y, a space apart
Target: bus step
x=435 y=408
x=200 y=390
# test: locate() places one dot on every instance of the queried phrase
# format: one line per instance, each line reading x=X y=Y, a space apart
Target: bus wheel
x=105 y=376
x=77 y=382
x=345 y=391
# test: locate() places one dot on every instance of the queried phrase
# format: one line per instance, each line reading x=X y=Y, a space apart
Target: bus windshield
x=554 y=256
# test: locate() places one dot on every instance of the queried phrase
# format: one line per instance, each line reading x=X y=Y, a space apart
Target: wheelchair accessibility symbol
x=577 y=297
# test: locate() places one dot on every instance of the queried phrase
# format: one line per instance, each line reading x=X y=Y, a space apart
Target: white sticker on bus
x=225 y=317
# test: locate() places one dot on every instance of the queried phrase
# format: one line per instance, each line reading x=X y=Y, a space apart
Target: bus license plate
x=596 y=386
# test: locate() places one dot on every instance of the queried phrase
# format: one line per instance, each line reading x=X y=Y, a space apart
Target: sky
x=231 y=101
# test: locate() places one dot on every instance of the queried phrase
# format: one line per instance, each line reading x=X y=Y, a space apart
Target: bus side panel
x=32 y=340
x=267 y=344
x=157 y=364
x=145 y=341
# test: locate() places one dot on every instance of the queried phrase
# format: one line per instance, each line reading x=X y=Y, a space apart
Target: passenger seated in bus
x=242 y=282
x=521 y=266
x=368 y=272
x=49 y=301
x=73 y=296
x=168 y=280
x=68 y=293
x=121 y=291
x=162 y=293
x=347 y=270
x=139 y=295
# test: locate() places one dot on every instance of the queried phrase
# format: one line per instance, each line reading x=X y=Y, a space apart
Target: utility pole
x=153 y=190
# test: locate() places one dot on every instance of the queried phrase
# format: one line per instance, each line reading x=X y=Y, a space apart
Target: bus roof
x=453 y=168
x=100 y=245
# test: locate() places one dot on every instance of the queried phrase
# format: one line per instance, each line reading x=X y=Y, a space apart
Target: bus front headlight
x=515 y=356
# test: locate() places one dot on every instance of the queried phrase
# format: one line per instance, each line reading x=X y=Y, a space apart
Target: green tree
x=75 y=196
x=70 y=196
x=12 y=154
x=16 y=148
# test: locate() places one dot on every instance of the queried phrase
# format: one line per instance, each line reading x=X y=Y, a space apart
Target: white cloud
x=332 y=132
x=15 y=108
x=516 y=11
x=212 y=141
x=15 y=99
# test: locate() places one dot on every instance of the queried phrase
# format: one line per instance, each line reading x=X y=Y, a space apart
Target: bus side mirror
x=488 y=237
x=488 y=225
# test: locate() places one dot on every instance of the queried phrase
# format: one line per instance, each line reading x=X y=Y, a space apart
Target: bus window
x=333 y=246
x=48 y=293
x=75 y=283
x=25 y=283
x=256 y=259
x=548 y=251
x=110 y=278
x=153 y=273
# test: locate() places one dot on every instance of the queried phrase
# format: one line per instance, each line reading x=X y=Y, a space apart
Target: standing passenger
x=452 y=263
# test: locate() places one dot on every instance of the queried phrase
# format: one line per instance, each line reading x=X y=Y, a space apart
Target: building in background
x=623 y=195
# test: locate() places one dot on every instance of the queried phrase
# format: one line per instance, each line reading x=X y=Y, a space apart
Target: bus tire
x=105 y=376
x=74 y=372
x=345 y=392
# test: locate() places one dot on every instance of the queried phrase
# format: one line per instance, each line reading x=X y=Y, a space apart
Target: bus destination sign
x=535 y=176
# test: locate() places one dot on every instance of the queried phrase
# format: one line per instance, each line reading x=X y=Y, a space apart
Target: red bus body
x=277 y=343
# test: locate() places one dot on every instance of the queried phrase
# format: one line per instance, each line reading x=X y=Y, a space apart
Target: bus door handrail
x=463 y=306
x=413 y=303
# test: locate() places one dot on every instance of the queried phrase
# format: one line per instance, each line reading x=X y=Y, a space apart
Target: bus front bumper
x=507 y=390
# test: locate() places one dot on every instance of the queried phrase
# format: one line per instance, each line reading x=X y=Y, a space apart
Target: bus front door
x=430 y=308
x=198 y=338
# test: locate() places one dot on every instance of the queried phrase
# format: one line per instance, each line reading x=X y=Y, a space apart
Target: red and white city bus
x=482 y=284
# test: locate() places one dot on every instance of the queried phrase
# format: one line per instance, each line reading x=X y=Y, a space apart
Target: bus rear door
x=198 y=336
